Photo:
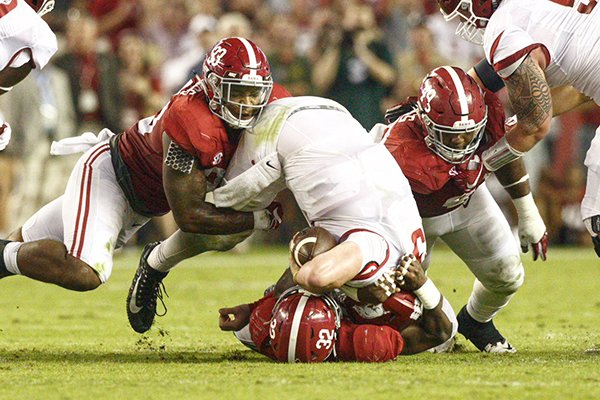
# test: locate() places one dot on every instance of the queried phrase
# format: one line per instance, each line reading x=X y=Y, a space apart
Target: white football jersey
x=569 y=36
x=341 y=179
x=24 y=36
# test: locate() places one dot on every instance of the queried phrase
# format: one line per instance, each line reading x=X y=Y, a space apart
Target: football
x=309 y=243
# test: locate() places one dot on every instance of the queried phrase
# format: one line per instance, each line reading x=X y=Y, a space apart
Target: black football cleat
x=483 y=335
x=145 y=289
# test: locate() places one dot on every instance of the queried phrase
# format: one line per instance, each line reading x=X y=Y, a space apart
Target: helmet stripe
x=253 y=60
x=460 y=90
x=295 y=327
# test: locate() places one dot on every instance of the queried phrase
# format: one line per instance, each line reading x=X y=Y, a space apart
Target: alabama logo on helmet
x=236 y=78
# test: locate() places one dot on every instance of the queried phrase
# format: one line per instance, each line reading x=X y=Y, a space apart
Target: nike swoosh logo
x=269 y=164
x=132 y=306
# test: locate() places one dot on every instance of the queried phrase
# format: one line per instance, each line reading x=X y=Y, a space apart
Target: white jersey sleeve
x=567 y=34
x=510 y=48
x=24 y=36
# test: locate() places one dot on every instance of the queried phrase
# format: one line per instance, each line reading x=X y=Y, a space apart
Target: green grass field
x=56 y=344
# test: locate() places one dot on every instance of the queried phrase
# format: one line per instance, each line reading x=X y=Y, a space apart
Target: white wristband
x=428 y=294
x=6 y=89
x=262 y=220
x=500 y=154
x=525 y=206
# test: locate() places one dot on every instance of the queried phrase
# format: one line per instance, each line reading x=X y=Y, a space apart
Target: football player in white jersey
x=342 y=181
x=536 y=45
x=26 y=42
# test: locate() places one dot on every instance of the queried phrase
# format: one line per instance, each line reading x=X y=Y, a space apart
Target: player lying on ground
x=437 y=139
x=298 y=326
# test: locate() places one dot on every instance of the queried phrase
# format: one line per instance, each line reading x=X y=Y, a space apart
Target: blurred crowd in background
x=121 y=60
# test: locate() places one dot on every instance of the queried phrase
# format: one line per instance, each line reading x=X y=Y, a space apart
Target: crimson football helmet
x=304 y=326
x=474 y=16
x=41 y=6
x=236 y=78
x=451 y=103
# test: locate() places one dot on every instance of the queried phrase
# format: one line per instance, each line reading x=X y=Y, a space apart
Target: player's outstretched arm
x=329 y=270
x=185 y=188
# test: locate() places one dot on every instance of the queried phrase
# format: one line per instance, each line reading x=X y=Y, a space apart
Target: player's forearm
x=332 y=269
x=514 y=179
x=436 y=323
x=208 y=219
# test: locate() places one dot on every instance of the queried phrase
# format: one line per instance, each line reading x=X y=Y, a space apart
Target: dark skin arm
x=11 y=76
x=511 y=173
x=433 y=328
x=186 y=196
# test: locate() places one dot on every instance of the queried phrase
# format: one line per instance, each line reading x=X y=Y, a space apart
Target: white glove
x=5 y=134
x=532 y=230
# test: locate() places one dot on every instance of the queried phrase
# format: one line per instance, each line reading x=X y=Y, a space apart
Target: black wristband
x=490 y=79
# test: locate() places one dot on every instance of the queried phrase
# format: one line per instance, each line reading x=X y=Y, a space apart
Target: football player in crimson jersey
x=165 y=162
x=26 y=42
x=333 y=327
x=438 y=141
x=531 y=45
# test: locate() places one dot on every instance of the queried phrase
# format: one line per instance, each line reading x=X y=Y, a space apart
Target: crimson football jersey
x=429 y=175
x=190 y=124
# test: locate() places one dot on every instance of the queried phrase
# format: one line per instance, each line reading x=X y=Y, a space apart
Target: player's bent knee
x=508 y=279
x=53 y=264
x=83 y=279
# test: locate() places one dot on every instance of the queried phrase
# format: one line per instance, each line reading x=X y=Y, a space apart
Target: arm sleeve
x=490 y=79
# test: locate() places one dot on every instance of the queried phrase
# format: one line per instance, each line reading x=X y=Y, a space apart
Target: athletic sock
x=8 y=261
